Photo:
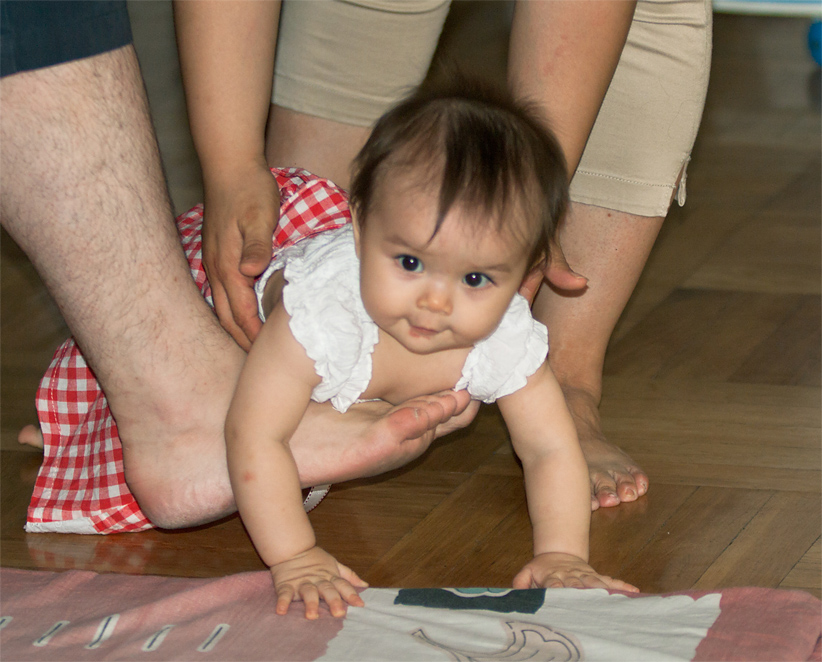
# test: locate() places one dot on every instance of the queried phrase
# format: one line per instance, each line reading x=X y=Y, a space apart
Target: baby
x=454 y=200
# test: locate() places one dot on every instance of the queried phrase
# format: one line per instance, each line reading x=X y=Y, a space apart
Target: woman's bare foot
x=615 y=477
x=30 y=435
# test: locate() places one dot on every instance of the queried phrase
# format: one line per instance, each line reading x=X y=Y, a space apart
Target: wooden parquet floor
x=712 y=380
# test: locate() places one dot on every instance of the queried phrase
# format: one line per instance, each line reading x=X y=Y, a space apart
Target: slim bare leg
x=321 y=146
x=610 y=248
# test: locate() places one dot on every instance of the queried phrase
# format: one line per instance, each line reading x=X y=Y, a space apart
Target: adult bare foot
x=374 y=437
x=615 y=477
x=30 y=435
x=184 y=482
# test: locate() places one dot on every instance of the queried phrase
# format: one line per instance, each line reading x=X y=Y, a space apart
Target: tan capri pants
x=349 y=61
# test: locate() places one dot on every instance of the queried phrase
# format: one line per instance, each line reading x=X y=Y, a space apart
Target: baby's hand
x=555 y=570
x=312 y=575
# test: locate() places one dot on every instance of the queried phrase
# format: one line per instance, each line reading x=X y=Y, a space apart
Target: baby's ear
x=531 y=283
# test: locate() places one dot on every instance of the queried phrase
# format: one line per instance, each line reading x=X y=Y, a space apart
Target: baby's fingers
x=310 y=595
x=334 y=595
x=619 y=585
x=349 y=593
x=285 y=596
x=603 y=581
x=524 y=579
x=351 y=577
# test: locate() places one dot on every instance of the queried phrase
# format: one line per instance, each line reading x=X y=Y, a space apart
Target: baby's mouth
x=422 y=332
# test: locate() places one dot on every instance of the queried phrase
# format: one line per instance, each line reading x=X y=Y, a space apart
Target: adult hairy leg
x=83 y=194
x=611 y=249
x=98 y=227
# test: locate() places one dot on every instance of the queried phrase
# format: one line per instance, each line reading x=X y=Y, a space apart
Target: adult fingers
x=242 y=300
x=559 y=273
x=222 y=307
x=255 y=256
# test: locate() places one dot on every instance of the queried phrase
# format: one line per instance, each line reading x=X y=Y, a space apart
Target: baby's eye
x=476 y=280
x=410 y=263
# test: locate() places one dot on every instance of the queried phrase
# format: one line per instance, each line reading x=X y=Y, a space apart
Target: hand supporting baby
x=312 y=575
x=558 y=570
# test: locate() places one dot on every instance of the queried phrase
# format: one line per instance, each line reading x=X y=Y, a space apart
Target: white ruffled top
x=322 y=297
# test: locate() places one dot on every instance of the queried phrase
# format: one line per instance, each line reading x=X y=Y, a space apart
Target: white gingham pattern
x=81 y=486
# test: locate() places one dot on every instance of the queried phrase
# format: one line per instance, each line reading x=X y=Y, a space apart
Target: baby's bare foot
x=30 y=435
x=615 y=477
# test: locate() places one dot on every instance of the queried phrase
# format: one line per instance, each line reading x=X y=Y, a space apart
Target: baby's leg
x=30 y=435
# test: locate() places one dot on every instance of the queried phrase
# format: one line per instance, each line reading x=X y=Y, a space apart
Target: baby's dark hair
x=490 y=152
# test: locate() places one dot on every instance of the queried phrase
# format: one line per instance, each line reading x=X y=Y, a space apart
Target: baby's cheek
x=486 y=321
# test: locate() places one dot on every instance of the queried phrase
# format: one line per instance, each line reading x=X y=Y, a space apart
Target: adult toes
x=640 y=480
x=409 y=422
x=605 y=491
x=626 y=488
x=607 y=499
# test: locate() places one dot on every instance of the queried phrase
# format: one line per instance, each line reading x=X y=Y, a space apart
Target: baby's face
x=435 y=294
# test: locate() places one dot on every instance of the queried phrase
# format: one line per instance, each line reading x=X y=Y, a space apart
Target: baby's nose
x=437 y=299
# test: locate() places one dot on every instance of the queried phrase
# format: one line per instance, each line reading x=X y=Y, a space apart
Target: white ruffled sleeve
x=322 y=297
x=502 y=363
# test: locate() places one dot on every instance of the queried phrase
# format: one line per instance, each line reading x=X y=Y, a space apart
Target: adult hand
x=241 y=211
x=557 y=272
x=557 y=570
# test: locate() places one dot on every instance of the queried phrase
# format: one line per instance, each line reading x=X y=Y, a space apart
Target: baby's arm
x=556 y=485
x=271 y=397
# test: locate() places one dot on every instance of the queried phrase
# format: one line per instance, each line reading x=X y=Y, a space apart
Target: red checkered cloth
x=81 y=486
